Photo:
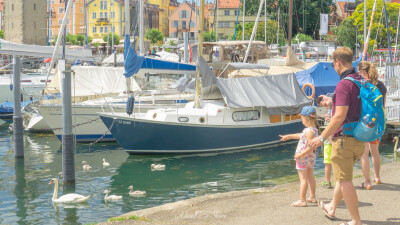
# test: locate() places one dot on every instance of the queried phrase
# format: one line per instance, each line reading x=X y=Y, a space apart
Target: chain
x=76 y=125
x=99 y=139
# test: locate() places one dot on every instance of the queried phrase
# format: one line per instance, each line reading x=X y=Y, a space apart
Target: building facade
x=163 y=14
x=1 y=13
x=226 y=16
x=76 y=17
x=25 y=22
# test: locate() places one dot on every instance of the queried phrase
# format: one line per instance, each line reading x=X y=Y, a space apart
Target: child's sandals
x=312 y=200
x=299 y=203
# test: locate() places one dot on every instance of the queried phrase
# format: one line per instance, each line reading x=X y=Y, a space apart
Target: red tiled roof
x=228 y=4
x=341 y=7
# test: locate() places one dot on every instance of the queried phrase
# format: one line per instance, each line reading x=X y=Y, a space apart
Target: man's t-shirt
x=346 y=94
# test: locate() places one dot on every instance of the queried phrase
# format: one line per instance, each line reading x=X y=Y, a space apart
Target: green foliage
x=96 y=45
x=71 y=39
x=154 y=36
x=134 y=217
x=209 y=36
x=346 y=33
x=381 y=37
x=168 y=50
x=172 y=43
x=301 y=37
x=1 y=34
x=109 y=38
x=272 y=27
x=115 y=219
x=81 y=39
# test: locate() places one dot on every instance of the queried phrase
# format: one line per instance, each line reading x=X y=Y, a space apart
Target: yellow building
x=105 y=16
x=166 y=7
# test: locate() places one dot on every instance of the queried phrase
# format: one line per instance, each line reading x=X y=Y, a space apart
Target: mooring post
x=18 y=130
x=68 y=146
x=186 y=49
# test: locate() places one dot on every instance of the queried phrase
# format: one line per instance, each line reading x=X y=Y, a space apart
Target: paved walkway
x=379 y=206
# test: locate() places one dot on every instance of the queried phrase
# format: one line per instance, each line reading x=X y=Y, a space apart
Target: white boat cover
x=94 y=80
x=280 y=94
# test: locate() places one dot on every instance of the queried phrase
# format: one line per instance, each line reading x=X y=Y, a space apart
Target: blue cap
x=307 y=110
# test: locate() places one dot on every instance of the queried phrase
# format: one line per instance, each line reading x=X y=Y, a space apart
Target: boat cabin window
x=246 y=115
x=183 y=119
x=275 y=118
x=295 y=117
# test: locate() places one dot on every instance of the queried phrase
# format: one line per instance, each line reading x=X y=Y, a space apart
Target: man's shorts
x=344 y=156
x=327 y=153
x=375 y=142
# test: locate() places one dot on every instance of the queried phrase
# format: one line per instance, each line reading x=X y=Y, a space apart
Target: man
x=346 y=107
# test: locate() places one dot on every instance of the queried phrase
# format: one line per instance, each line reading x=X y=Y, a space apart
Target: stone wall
x=13 y=21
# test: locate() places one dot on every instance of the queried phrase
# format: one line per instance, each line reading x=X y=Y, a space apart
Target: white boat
x=253 y=112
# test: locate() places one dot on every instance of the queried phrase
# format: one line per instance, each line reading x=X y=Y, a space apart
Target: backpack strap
x=352 y=125
x=353 y=80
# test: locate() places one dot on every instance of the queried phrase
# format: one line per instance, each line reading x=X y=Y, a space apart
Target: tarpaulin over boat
x=280 y=94
x=133 y=63
x=323 y=76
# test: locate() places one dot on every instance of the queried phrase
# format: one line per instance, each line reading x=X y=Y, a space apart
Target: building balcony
x=101 y=20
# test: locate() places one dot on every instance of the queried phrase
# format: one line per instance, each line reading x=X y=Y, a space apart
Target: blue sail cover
x=322 y=76
x=133 y=62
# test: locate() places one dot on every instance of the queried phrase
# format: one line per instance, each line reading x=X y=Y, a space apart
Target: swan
x=68 y=198
x=86 y=166
x=136 y=193
x=111 y=197
x=105 y=163
x=157 y=167
x=396 y=150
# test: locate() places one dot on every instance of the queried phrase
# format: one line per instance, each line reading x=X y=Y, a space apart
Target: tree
x=172 y=43
x=209 y=36
x=109 y=38
x=300 y=38
x=272 y=27
x=392 y=12
x=346 y=33
x=154 y=36
x=80 y=39
x=1 y=34
x=71 y=39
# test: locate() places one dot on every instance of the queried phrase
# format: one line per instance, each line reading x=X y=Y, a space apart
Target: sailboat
x=249 y=113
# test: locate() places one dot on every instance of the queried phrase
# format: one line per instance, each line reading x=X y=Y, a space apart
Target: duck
x=86 y=166
x=157 y=167
x=105 y=163
x=136 y=193
x=111 y=197
x=68 y=198
x=396 y=150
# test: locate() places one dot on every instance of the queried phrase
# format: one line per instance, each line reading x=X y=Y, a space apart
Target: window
x=223 y=24
x=105 y=29
x=175 y=23
x=183 y=14
x=67 y=20
x=59 y=21
x=105 y=15
x=81 y=10
x=52 y=2
x=101 y=29
x=105 y=4
x=113 y=29
x=245 y=115
x=183 y=119
x=94 y=15
x=60 y=10
x=226 y=12
x=81 y=21
x=184 y=24
x=236 y=12
x=61 y=1
x=227 y=24
x=68 y=31
x=275 y=118
x=101 y=14
x=94 y=29
x=191 y=24
x=101 y=5
x=112 y=15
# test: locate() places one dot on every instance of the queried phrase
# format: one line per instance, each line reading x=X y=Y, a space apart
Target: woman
x=368 y=71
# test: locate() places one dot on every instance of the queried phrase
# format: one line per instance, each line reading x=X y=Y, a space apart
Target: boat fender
x=312 y=90
x=11 y=87
x=129 y=105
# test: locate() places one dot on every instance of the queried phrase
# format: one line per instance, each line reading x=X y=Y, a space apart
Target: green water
x=25 y=196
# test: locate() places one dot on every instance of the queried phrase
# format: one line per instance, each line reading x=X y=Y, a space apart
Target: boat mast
x=254 y=31
x=141 y=27
x=244 y=13
x=290 y=23
x=265 y=22
x=201 y=23
x=388 y=34
x=127 y=32
x=369 y=32
x=397 y=35
x=277 y=33
x=365 y=21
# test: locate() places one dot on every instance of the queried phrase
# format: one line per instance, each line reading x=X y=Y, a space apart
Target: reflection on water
x=25 y=195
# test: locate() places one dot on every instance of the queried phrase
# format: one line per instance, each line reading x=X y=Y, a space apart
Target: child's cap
x=307 y=110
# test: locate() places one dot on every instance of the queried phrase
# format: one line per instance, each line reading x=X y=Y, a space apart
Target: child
x=305 y=156
x=327 y=162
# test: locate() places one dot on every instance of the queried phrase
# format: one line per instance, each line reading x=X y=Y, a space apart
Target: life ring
x=312 y=90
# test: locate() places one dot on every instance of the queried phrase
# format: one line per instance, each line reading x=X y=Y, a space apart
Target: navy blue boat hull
x=145 y=137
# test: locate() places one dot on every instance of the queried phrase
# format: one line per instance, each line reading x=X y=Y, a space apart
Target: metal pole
x=277 y=33
x=388 y=34
x=265 y=22
x=365 y=21
x=397 y=36
x=86 y=39
x=18 y=130
x=141 y=27
x=48 y=23
x=65 y=30
x=254 y=31
x=244 y=14
x=216 y=25
x=290 y=23
x=186 y=49
x=68 y=146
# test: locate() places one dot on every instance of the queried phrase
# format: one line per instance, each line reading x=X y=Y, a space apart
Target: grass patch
x=280 y=190
x=257 y=192
x=357 y=176
x=134 y=217
x=116 y=219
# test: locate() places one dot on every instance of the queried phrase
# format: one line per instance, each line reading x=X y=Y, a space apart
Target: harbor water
x=25 y=195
